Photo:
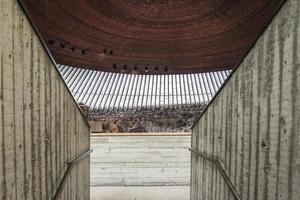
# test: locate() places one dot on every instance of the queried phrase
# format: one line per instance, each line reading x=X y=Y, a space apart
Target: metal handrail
x=70 y=164
x=216 y=161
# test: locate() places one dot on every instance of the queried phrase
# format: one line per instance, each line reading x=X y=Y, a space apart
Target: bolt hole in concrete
x=139 y=167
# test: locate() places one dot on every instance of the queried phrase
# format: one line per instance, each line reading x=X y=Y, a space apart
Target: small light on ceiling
x=51 y=41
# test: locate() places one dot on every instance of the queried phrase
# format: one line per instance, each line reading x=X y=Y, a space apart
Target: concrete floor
x=141 y=193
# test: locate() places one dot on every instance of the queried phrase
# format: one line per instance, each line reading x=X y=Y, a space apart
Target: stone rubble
x=173 y=119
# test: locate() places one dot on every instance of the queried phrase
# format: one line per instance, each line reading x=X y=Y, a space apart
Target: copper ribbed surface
x=150 y=36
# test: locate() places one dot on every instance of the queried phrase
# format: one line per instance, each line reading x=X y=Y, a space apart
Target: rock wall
x=148 y=120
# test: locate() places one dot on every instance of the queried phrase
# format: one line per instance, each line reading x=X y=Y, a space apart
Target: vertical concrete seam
x=250 y=131
x=32 y=116
x=257 y=152
x=2 y=115
x=294 y=130
x=280 y=39
x=14 y=15
x=269 y=77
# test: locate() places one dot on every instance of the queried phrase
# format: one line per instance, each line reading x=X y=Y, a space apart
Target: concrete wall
x=140 y=160
x=41 y=127
x=253 y=125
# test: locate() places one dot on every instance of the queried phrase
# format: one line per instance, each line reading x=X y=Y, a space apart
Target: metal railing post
x=216 y=161
x=70 y=164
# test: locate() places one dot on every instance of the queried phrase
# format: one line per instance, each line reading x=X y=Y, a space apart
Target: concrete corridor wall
x=253 y=124
x=41 y=126
x=140 y=160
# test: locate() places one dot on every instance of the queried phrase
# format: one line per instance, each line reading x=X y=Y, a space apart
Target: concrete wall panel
x=41 y=127
x=140 y=160
x=253 y=124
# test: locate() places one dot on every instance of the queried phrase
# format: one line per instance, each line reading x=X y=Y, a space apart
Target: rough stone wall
x=253 y=125
x=41 y=127
x=148 y=120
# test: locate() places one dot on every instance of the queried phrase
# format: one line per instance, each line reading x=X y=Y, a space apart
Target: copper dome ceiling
x=150 y=36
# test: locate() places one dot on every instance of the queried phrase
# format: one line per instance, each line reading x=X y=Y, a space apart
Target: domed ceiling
x=150 y=36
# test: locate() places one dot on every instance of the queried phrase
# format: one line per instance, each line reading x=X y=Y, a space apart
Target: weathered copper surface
x=150 y=36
